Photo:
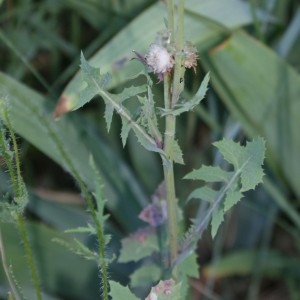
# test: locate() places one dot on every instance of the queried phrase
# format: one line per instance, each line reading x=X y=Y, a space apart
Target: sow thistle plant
x=172 y=254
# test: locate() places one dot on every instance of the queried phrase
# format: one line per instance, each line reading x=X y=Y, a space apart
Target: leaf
x=253 y=173
x=216 y=221
x=126 y=127
x=209 y=174
x=232 y=198
x=119 y=292
x=148 y=144
x=190 y=104
x=247 y=160
x=166 y=290
x=93 y=80
x=145 y=275
x=261 y=91
x=189 y=266
x=55 y=262
x=132 y=91
x=204 y=193
x=99 y=195
x=139 y=245
x=176 y=153
x=78 y=248
x=108 y=114
x=89 y=229
x=31 y=118
x=231 y=151
x=241 y=263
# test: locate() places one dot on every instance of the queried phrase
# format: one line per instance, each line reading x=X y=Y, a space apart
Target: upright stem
x=170 y=188
x=29 y=257
x=172 y=89
x=19 y=193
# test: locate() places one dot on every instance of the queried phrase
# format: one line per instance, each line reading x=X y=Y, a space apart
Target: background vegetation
x=251 y=49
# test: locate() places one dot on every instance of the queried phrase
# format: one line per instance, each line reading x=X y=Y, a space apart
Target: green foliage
x=9 y=151
x=139 y=245
x=146 y=274
x=190 y=104
x=79 y=248
x=114 y=103
x=189 y=266
x=117 y=291
x=247 y=173
x=259 y=88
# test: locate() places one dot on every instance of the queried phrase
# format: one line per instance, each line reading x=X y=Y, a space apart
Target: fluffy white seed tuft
x=159 y=59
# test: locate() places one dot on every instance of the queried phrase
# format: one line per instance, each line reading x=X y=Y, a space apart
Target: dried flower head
x=159 y=59
x=191 y=55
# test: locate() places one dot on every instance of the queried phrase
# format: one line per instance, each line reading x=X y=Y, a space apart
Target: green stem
x=19 y=184
x=171 y=96
x=169 y=174
x=13 y=289
x=170 y=189
x=19 y=192
x=171 y=7
x=87 y=196
x=7 y=159
x=29 y=256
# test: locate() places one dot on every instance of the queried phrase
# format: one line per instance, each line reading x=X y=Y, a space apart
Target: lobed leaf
x=261 y=90
x=253 y=173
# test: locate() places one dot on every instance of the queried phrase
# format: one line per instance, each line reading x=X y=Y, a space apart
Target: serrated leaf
x=252 y=173
x=149 y=145
x=94 y=81
x=204 y=193
x=231 y=151
x=192 y=103
x=119 y=292
x=209 y=174
x=232 y=198
x=131 y=92
x=108 y=114
x=126 y=126
x=138 y=245
x=78 y=248
x=176 y=153
x=144 y=275
x=246 y=160
x=216 y=221
x=89 y=229
x=166 y=290
x=189 y=266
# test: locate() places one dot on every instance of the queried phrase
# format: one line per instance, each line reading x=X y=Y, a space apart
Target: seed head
x=191 y=55
x=159 y=59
